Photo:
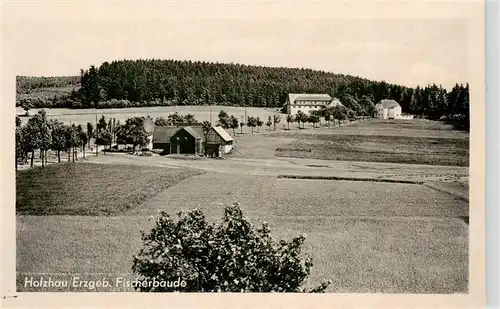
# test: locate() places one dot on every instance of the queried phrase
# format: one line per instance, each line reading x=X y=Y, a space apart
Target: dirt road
x=456 y=177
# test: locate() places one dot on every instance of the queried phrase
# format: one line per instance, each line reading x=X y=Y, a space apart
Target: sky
x=408 y=50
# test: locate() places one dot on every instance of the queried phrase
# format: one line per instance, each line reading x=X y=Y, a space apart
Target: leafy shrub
x=230 y=256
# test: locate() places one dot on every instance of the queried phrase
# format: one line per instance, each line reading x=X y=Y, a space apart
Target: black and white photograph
x=226 y=151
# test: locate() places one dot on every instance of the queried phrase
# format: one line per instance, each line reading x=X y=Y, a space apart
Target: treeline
x=138 y=83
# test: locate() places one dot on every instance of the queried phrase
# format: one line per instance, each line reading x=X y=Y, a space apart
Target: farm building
x=161 y=137
x=187 y=141
x=389 y=109
x=218 y=142
x=306 y=103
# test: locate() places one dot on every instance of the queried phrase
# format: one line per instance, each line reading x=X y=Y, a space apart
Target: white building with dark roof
x=306 y=103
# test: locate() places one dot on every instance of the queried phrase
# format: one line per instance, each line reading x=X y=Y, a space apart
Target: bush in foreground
x=231 y=256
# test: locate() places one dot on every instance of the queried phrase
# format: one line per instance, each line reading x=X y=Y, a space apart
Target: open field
x=90 y=189
x=365 y=237
x=395 y=149
x=201 y=113
x=391 y=127
x=417 y=142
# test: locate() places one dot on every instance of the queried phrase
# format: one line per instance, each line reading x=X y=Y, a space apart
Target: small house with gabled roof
x=218 y=141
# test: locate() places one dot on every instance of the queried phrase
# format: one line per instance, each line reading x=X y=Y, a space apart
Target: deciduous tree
x=132 y=132
x=251 y=122
x=90 y=131
x=161 y=121
x=269 y=123
x=224 y=119
x=58 y=138
x=230 y=256
x=233 y=123
x=289 y=119
x=276 y=120
x=259 y=123
x=206 y=126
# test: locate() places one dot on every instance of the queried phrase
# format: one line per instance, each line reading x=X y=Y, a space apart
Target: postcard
x=237 y=154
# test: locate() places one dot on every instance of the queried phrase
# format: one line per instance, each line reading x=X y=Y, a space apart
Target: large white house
x=306 y=103
x=390 y=109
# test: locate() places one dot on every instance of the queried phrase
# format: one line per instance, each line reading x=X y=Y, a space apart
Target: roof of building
x=191 y=132
x=388 y=104
x=223 y=133
x=199 y=129
x=292 y=97
x=335 y=102
x=162 y=134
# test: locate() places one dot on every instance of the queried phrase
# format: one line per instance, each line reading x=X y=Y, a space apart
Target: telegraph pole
x=96 y=135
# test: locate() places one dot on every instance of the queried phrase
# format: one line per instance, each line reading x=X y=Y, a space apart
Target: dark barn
x=187 y=141
x=161 y=138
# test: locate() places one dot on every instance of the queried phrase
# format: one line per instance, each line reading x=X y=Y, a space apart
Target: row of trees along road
x=41 y=134
x=338 y=113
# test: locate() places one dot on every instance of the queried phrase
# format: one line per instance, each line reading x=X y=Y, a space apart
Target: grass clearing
x=393 y=127
x=90 y=189
x=365 y=237
x=377 y=148
x=264 y=196
x=357 y=254
x=415 y=141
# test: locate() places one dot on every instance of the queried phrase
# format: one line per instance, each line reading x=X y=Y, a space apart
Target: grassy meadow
x=377 y=148
x=90 y=189
x=365 y=237
x=415 y=141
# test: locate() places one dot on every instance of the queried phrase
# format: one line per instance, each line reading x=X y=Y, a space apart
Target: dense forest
x=137 y=83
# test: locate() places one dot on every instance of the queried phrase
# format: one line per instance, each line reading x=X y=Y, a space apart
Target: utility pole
x=72 y=139
x=96 y=135
x=70 y=150
x=113 y=137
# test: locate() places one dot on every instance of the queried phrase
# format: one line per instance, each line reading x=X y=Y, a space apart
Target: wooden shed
x=218 y=141
x=187 y=141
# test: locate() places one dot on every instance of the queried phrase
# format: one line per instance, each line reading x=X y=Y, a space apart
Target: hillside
x=54 y=91
x=137 y=83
